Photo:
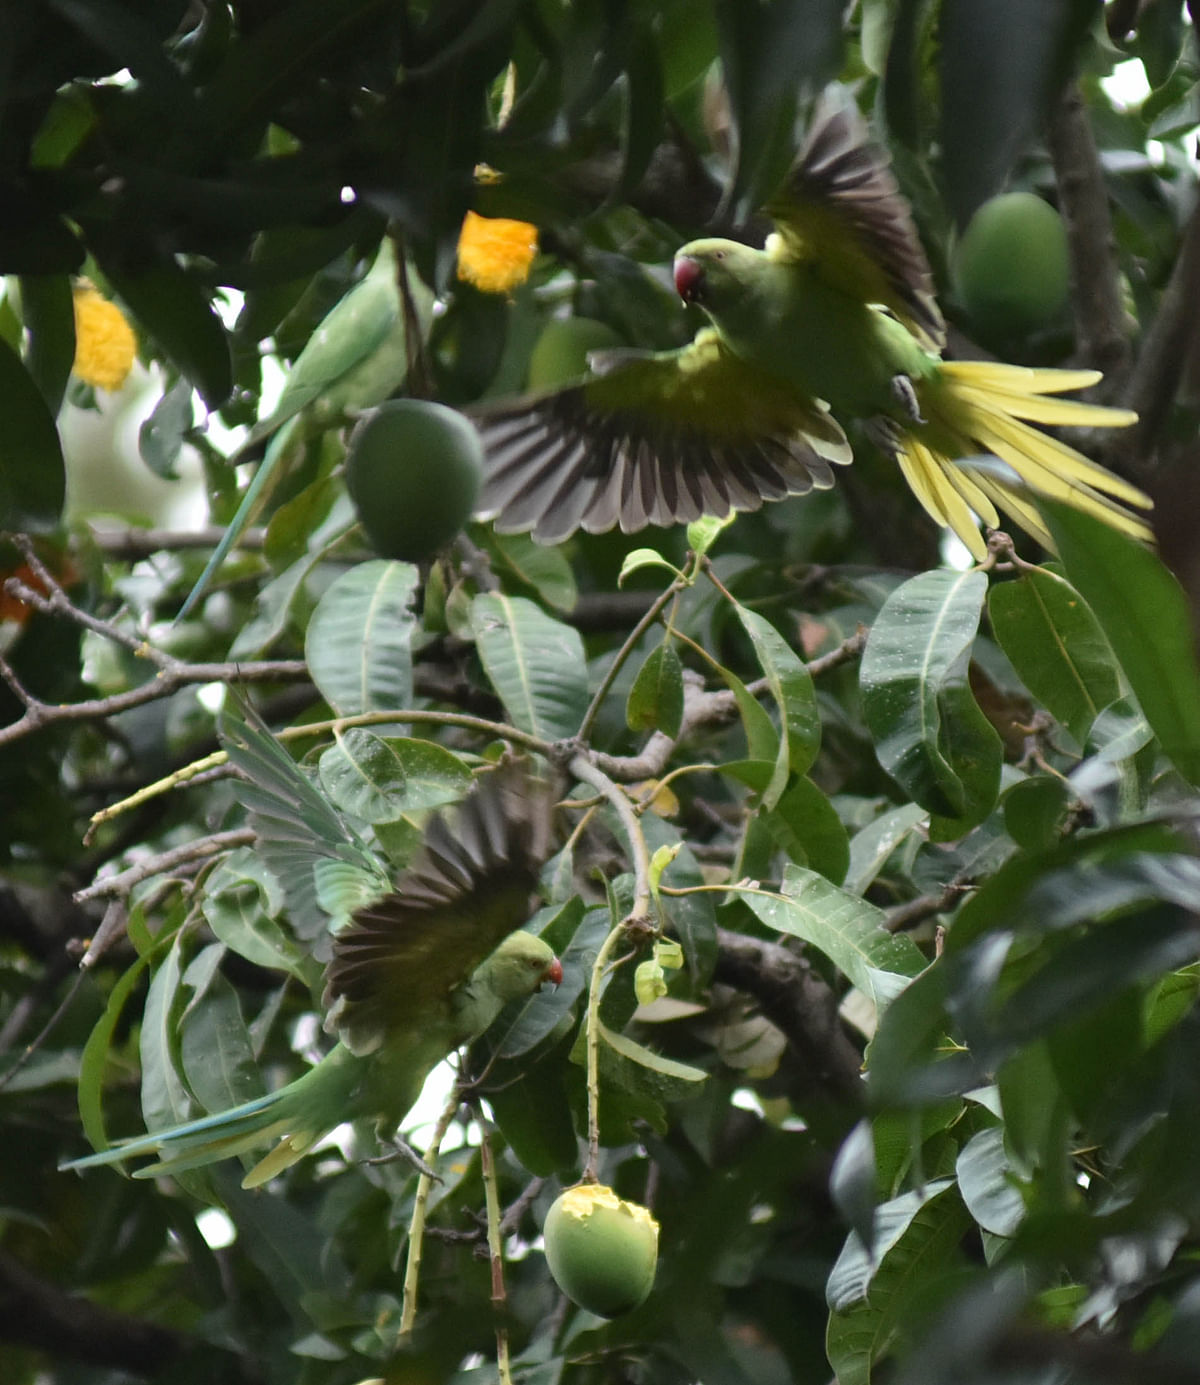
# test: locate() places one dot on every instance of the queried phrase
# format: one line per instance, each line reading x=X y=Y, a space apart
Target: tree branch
x=38 y=1314
x=799 y=1003
x=1100 y=331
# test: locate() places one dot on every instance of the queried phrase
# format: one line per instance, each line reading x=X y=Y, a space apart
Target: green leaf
x=1146 y=617
x=848 y=930
x=33 y=478
x=806 y=825
x=535 y=663
x=643 y=557
x=795 y=698
x=359 y=640
x=48 y=311
x=544 y=569
x=216 y=1055
x=241 y=900
x=655 y=700
x=174 y=308
x=165 y=1097
x=771 y=55
x=852 y=1274
x=161 y=436
x=1057 y=646
x=986 y=1182
x=991 y=104
x=916 y=1236
x=363 y=776
x=929 y=733
x=872 y=845
x=94 y=1059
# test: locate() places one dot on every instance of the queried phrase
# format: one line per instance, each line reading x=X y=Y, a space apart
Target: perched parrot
x=834 y=318
x=358 y=355
x=413 y=977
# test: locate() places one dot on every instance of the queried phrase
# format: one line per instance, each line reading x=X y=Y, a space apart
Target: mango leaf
x=806 y=825
x=1000 y=67
x=795 y=699
x=544 y=569
x=48 y=311
x=987 y=1183
x=871 y=846
x=363 y=776
x=216 y=1054
x=929 y=733
x=655 y=701
x=771 y=55
x=241 y=900
x=33 y=478
x=1057 y=646
x=535 y=663
x=1145 y=615
x=872 y=1290
x=94 y=1059
x=848 y=930
x=165 y=1097
x=359 y=640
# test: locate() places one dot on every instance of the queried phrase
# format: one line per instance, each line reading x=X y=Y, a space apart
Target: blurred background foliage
x=948 y=1120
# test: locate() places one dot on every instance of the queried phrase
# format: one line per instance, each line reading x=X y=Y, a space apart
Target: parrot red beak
x=554 y=972
x=689 y=278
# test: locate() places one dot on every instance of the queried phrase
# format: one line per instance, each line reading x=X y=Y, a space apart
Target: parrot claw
x=402 y=1150
x=902 y=388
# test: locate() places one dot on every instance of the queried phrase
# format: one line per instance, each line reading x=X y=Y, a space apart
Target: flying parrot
x=834 y=318
x=413 y=976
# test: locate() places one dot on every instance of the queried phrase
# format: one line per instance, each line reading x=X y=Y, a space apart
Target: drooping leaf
x=870 y=1291
x=1145 y=615
x=655 y=700
x=48 y=311
x=535 y=663
x=795 y=700
x=1057 y=646
x=359 y=640
x=1000 y=68
x=33 y=478
x=929 y=733
x=771 y=56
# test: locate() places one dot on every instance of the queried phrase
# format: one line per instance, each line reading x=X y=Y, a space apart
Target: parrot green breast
x=790 y=322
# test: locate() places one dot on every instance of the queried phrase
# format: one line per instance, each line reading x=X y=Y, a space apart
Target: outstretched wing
x=652 y=438
x=842 y=210
x=299 y=831
x=397 y=964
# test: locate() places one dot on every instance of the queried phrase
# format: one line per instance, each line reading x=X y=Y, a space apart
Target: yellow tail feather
x=983 y=406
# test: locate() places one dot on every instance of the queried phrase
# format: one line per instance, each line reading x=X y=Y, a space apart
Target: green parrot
x=357 y=357
x=413 y=976
x=834 y=318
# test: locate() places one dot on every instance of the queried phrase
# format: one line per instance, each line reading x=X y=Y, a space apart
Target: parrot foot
x=902 y=388
x=402 y=1150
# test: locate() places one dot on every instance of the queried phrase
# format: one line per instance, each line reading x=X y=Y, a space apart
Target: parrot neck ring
x=689 y=278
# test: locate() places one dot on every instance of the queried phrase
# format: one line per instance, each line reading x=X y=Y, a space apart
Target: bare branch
x=124 y=881
x=1100 y=318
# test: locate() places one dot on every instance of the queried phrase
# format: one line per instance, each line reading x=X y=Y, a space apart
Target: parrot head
x=520 y=965
x=707 y=272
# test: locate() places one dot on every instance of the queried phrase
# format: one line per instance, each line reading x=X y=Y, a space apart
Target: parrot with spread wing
x=414 y=975
x=834 y=318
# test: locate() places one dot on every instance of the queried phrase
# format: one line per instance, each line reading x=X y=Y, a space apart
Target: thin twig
x=122 y=883
x=416 y=1229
